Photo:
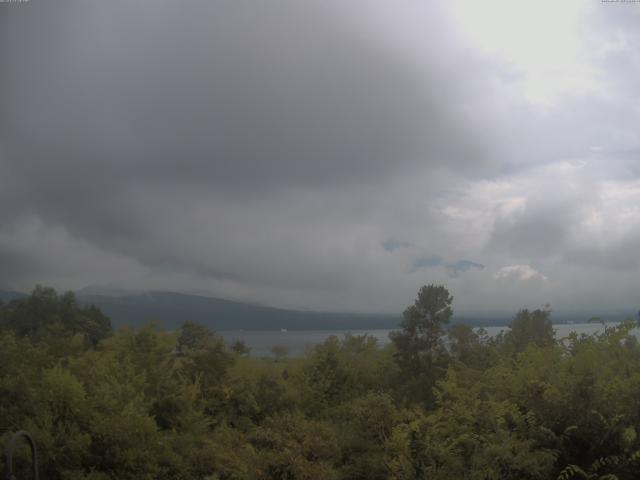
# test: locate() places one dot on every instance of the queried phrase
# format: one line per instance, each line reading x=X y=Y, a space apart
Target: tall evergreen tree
x=421 y=354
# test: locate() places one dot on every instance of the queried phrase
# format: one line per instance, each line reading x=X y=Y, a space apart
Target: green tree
x=470 y=347
x=204 y=359
x=531 y=327
x=294 y=448
x=239 y=347
x=45 y=314
x=420 y=351
x=193 y=336
x=365 y=428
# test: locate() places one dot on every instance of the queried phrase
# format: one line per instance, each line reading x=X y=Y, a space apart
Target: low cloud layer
x=322 y=156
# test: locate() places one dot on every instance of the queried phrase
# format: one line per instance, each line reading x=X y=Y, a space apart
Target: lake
x=298 y=341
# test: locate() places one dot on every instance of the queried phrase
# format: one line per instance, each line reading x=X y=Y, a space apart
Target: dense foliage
x=440 y=402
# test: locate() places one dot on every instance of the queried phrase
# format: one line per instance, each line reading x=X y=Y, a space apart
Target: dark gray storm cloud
x=226 y=93
x=306 y=153
x=101 y=100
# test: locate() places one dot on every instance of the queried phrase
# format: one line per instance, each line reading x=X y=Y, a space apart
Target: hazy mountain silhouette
x=171 y=309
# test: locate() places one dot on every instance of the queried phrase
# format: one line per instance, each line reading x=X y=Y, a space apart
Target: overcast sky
x=324 y=155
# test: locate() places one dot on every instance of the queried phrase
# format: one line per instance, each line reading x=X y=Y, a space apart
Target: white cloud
x=518 y=272
x=543 y=42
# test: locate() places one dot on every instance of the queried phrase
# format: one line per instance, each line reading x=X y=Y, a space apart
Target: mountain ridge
x=171 y=309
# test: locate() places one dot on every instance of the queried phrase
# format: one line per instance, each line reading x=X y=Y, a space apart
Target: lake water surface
x=299 y=341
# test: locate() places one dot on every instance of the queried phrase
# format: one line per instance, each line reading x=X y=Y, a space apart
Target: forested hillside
x=439 y=402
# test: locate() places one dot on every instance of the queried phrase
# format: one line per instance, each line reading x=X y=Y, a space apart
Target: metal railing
x=11 y=447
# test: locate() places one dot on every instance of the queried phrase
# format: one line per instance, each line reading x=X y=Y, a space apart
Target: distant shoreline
x=297 y=342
